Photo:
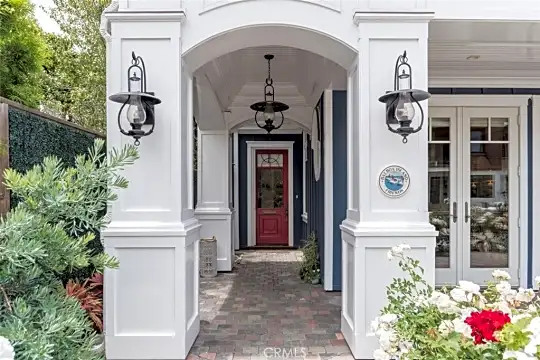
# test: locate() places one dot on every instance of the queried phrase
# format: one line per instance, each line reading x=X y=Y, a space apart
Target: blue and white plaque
x=394 y=181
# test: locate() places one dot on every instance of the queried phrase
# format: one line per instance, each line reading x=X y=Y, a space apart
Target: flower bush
x=461 y=324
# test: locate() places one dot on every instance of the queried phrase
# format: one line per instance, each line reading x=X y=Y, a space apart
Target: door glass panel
x=270 y=194
x=489 y=204
x=440 y=129
x=439 y=188
x=479 y=129
x=499 y=129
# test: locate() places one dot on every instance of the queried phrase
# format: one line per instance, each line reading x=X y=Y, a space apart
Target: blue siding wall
x=297 y=180
x=339 y=160
x=315 y=195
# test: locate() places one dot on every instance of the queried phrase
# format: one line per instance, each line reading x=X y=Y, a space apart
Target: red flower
x=485 y=323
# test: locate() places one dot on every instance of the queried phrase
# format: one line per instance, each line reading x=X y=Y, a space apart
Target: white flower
x=534 y=326
x=459 y=295
x=380 y=354
x=397 y=251
x=525 y=295
x=503 y=306
x=461 y=327
x=503 y=287
x=537 y=281
x=469 y=287
x=388 y=319
x=501 y=275
x=443 y=302
x=446 y=327
x=517 y=355
x=515 y=318
x=6 y=350
x=387 y=340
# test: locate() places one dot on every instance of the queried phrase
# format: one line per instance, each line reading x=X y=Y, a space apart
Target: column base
x=151 y=302
x=218 y=223
x=367 y=272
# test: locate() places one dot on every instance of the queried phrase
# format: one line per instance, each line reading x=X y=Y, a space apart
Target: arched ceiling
x=300 y=77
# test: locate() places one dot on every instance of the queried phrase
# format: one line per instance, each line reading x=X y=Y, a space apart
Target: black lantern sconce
x=400 y=103
x=268 y=108
x=140 y=103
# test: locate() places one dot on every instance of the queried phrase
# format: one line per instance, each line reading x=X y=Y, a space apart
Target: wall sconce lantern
x=140 y=103
x=400 y=103
x=269 y=107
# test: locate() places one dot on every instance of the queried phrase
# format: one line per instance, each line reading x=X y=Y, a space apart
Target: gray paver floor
x=262 y=310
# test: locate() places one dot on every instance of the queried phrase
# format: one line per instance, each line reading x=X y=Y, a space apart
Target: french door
x=473 y=192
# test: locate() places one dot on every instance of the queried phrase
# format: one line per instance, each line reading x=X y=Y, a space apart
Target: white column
x=151 y=300
x=213 y=193
x=376 y=222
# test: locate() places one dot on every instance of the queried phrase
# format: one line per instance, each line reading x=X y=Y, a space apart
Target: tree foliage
x=46 y=235
x=21 y=53
x=75 y=70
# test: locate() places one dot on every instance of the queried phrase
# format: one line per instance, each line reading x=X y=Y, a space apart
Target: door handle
x=467 y=216
x=454 y=212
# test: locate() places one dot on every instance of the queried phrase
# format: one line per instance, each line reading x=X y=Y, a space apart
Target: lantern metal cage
x=268 y=108
x=139 y=102
x=400 y=103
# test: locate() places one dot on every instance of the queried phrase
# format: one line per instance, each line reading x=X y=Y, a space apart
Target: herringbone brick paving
x=262 y=310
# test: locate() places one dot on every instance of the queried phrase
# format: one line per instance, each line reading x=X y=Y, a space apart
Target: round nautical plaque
x=394 y=181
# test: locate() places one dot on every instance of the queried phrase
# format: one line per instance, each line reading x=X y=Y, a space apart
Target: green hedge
x=33 y=137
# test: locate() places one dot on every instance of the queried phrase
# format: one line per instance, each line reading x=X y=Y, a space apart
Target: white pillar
x=376 y=222
x=151 y=300
x=213 y=209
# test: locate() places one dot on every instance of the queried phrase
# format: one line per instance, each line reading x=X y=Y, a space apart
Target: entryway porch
x=263 y=310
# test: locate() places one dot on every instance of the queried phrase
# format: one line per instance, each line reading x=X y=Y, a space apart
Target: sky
x=45 y=22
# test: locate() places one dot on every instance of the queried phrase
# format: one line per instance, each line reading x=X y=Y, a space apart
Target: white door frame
x=478 y=275
x=504 y=101
x=252 y=147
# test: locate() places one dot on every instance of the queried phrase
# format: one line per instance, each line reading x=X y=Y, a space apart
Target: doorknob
x=454 y=211
x=467 y=216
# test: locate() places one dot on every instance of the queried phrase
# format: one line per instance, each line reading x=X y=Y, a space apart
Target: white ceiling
x=456 y=50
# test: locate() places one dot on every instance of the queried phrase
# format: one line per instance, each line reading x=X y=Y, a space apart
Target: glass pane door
x=489 y=184
x=442 y=196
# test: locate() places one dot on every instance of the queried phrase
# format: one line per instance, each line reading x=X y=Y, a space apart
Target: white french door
x=473 y=192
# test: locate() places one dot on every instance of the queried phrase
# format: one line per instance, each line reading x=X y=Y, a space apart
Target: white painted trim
x=236 y=189
x=520 y=102
x=479 y=100
x=536 y=194
x=252 y=146
x=484 y=82
x=261 y=131
x=523 y=196
x=328 y=191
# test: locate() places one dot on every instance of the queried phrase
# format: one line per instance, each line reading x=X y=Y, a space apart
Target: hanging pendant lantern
x=400 y=103
x=267 y=110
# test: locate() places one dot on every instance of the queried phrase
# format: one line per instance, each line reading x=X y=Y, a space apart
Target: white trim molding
x=252 y=146
x=536 y=194
x=236 y=196
x=328 y=191
x=304 y=177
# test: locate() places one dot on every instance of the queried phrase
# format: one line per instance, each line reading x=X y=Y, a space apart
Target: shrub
x=90 y=297
x=46 y=235
x=310 y=268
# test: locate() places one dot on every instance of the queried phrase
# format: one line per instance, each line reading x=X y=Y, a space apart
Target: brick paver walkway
x=262 y=310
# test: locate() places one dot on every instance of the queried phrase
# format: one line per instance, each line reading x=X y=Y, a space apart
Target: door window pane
x=439 y=200
x=489 y=207
x=270 y=188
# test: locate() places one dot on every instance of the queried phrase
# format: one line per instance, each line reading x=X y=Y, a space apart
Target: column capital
x=416 y=16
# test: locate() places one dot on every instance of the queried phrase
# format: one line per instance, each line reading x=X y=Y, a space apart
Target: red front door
x=272 y=196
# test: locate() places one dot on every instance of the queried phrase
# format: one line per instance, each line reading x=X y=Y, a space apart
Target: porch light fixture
x=400 y=103
x=140 y=103
x=266 y=110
